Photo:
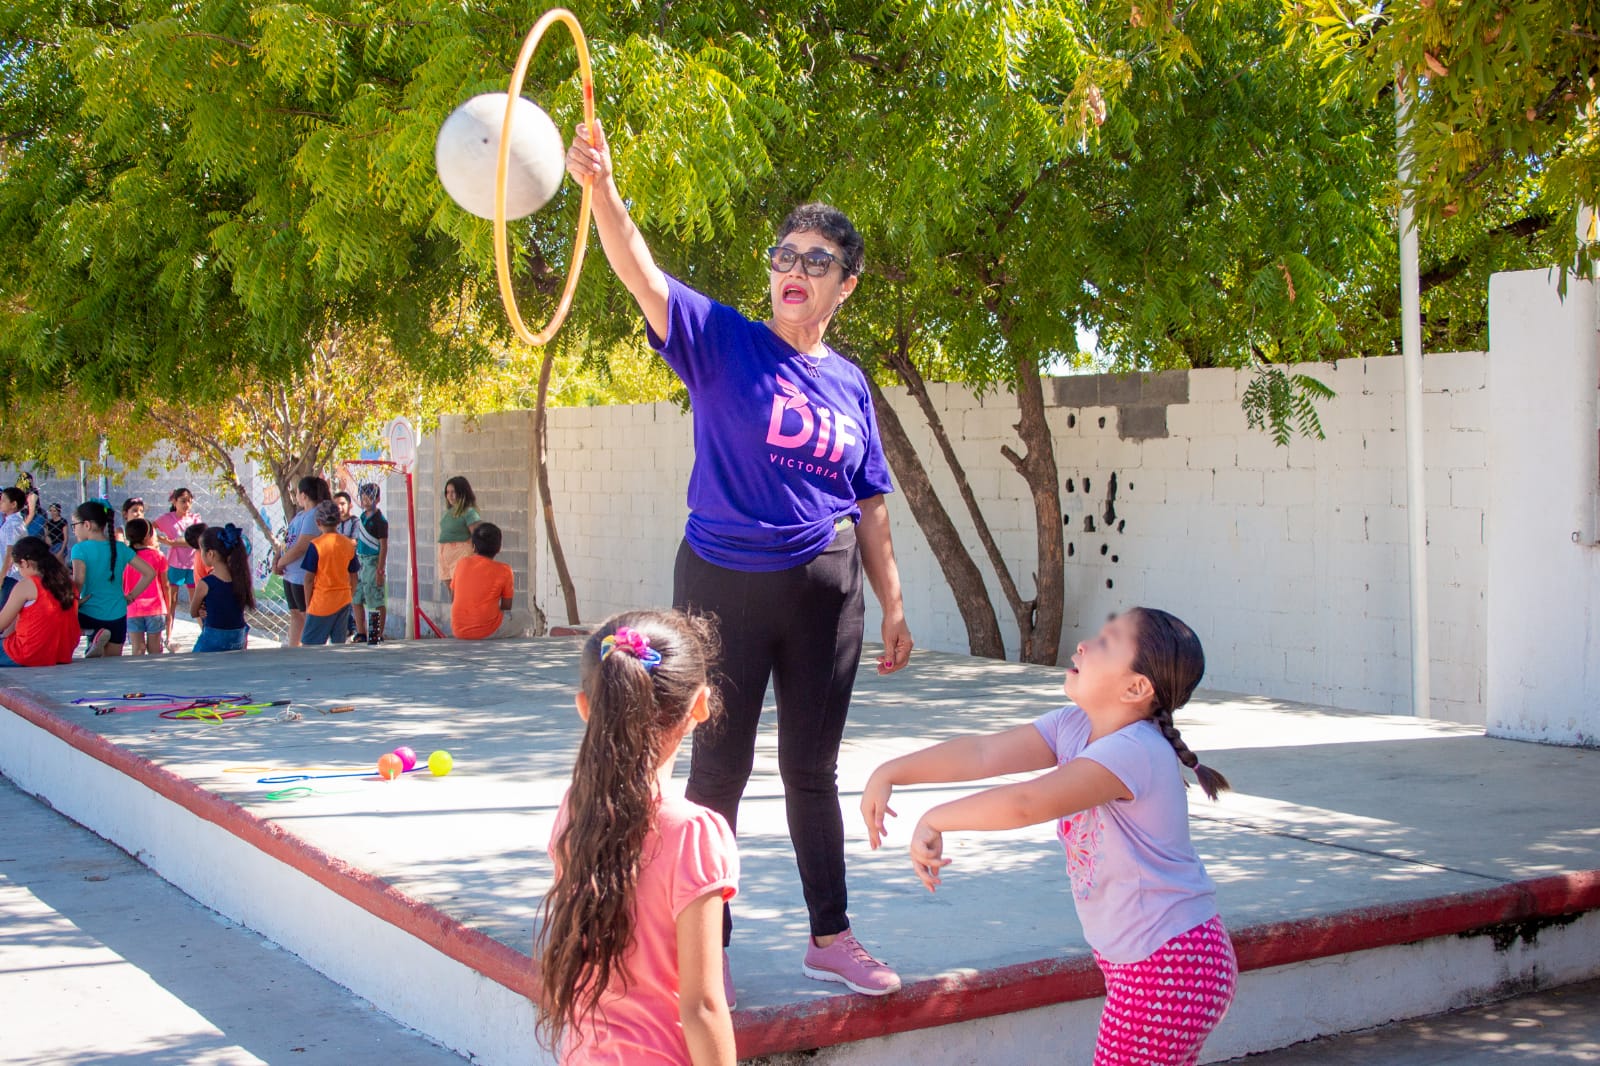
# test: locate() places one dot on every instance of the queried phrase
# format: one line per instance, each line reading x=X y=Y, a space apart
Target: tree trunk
x=222 y=459
x=1042 y=637
x=563 y=575
x=960 y=572
x=1022 y=610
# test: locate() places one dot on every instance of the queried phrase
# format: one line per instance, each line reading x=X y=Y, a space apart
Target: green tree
x=290 y=426
x=1505 y=123
x=220 y=185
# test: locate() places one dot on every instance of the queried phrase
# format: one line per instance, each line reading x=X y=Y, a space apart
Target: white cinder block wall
x=1289 y=562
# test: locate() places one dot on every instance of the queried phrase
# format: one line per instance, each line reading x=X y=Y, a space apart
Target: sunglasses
x=815 y=263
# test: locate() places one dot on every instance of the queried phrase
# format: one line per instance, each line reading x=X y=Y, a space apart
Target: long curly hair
x=635 y=715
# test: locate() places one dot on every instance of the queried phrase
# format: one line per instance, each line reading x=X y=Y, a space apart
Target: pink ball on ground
x=408 y=758
x=389 y=767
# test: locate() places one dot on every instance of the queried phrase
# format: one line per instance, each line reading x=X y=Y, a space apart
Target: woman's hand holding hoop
x=589 y=158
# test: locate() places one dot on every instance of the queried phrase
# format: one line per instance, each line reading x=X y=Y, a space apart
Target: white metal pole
x=1411 y=356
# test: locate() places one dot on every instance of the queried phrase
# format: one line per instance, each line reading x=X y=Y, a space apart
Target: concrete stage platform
x=1370 y=867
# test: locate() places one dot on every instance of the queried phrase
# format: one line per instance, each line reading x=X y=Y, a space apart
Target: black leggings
x=802 y=628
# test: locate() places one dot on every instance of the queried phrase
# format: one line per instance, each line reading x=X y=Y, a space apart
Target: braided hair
x=98 y=513
x=1168 y=653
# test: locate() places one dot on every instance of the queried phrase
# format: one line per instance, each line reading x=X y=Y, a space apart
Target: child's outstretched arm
x=702 y=1005
x=1072 y=787
x=1013 y=751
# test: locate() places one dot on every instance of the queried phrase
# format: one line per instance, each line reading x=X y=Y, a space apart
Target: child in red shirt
x=40 y=617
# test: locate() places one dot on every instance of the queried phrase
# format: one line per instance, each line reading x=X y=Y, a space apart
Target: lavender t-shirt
x=784 y=446
x=1136 y=879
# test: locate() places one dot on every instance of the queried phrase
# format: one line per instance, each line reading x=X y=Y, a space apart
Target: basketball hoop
x=402 y=441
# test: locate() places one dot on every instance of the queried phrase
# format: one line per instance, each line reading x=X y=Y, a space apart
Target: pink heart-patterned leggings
x=1160 y=1010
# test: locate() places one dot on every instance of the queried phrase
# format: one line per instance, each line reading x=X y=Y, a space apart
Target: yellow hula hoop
x=502 y=256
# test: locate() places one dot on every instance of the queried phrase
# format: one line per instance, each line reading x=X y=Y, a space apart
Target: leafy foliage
x=1505 y=105
x=1282 y=404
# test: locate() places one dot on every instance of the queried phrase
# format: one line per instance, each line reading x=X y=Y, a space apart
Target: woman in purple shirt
x=786 y=502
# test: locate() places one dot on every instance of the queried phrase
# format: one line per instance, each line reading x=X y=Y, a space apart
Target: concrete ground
x=1332 y=811
x=103 y=961
x=1561 y=1025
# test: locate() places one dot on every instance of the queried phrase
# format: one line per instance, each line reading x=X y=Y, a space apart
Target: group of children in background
x=127 y=583
x=333 y=566
x=119 y=588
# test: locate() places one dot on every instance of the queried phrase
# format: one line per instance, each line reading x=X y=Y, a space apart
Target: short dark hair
x=192 y=535
x=343 y=495
x=138 y=531
x=486 y=540
x=327 y=514
x=16 y=496
x=833 y=224
x=314 y=488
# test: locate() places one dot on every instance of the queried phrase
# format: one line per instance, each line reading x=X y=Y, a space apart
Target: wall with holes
x=1289 y=561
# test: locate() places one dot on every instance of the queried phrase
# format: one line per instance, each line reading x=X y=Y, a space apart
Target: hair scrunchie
x=633 y=643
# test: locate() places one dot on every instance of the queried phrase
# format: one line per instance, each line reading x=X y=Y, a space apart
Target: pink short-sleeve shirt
x=690 y=852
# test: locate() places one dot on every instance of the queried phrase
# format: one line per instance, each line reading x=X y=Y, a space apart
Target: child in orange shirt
x=482 y=606
x=329 y=563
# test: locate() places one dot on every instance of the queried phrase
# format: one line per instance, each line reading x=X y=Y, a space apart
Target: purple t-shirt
x=783 y=447
x=1136 y=879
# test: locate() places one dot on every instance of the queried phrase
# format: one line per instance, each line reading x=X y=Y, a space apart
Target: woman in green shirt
x=456 y=524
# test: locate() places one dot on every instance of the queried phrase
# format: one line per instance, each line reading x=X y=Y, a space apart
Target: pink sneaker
x=727 y=980
x=847 y=962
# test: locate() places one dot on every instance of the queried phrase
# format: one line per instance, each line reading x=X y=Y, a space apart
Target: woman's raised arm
x=623 y=243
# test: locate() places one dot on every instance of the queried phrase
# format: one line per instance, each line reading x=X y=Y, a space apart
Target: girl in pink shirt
x=1116 y=793
x=147 y=612
x=630 y=937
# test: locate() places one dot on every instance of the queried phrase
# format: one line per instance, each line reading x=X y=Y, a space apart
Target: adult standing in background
x=786 y=501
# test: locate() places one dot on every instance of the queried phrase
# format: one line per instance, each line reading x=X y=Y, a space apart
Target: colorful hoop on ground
x=502 y=257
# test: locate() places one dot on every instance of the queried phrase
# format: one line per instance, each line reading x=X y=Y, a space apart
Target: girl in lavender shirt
x=1116 y=793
